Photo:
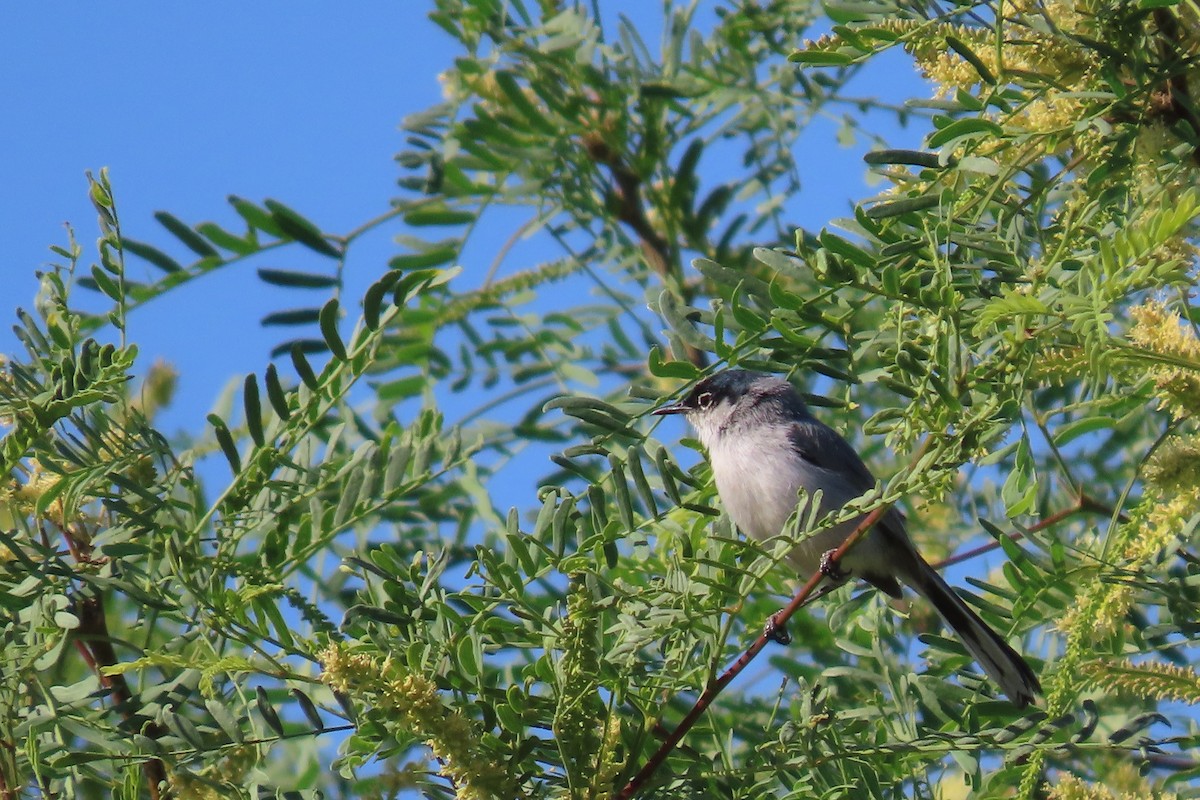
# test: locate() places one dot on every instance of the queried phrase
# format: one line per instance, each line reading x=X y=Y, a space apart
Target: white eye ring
x=704 y=399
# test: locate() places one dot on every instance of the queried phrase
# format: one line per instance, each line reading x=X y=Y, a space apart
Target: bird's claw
x=777 y=631
x=830 y=569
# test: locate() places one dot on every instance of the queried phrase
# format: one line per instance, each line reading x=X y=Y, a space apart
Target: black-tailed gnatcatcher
x=764 y=446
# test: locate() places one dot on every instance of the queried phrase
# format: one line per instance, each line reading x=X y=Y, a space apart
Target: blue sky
x=298 y=102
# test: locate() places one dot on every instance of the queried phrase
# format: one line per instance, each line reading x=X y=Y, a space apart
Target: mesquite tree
x=326 y=590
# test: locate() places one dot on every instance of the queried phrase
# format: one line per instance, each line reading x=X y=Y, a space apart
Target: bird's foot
x=830 y=568
x=777 y=631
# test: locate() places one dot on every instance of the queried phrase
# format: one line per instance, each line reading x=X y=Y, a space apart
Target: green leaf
x=683 y=185
x=300 y=229
x=306 y=346
x=895 y=208
x=373 y=298
x=847 y=11
x=224 y=719
x=976 y=127
x=839 y=246
x=1081 y=427
x=253 y=408
x=984 y=166
x=294 y=316
x=960 y=47
x=594 y=412
x=47 y=498
x=401 y=388
x=469 y=656
x=276 y=394
x=226 y=443
x=106 y=284
x=438 y=215
x=329 y=329
x=190 y=238
x=1019 y=492
x=670 y=369
x=662 y=91
x=433 y=257
x=303 y=369
x=1011 y=305
x=256 y=217
x=821 y=58
x=308 y=708
x=680 y=318
x=621 y=490
x=267 y=711
x=915 y=158
x=152 y=254
x=226 y=240
x=507 y=82
x=296 y=280
x=638 y=473
x=411 y=285
x=66 y=620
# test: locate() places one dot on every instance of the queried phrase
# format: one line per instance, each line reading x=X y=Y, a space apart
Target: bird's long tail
x=1003 y=665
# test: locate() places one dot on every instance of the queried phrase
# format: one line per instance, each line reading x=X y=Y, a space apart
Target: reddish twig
x=778 y=621
x=94 y=644
x=1083 y=504
x=630 y=211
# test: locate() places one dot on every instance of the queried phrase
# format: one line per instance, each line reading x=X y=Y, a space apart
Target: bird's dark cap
x=723 y=385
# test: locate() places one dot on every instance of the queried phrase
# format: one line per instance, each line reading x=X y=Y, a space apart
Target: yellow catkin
x=1149 y=680
x=413 y=700
x=1160 y=330
x=1068 y=787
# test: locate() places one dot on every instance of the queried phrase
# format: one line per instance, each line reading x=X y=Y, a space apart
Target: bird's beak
x=674 y=408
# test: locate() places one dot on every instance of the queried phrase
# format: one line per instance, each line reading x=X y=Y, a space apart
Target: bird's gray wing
x=823 y=447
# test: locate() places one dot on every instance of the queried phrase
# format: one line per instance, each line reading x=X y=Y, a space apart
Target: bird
x=764 y=446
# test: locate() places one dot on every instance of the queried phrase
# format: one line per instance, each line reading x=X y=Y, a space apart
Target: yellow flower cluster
x=1160 y=331
x=611 y=764
x=414 y=701
x=217 y=781
x=1157 y=680
x=1176 y=466
x=158 y=388
x=1023 y=51
x=1052 y=111
x=1172 y=497
x=1099 y=612
x=20 y=499
x=1068 y=787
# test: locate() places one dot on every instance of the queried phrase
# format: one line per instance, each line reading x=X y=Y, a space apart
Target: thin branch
x=631 y=211
x=96 y=647
x=777 y=621
x=1174 y=102
x=94 y=644
x=1085 y=504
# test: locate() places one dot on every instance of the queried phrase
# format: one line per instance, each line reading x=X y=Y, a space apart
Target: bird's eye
x=704 y=399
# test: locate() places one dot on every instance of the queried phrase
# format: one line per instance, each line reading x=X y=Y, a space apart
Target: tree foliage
x=327 y=590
